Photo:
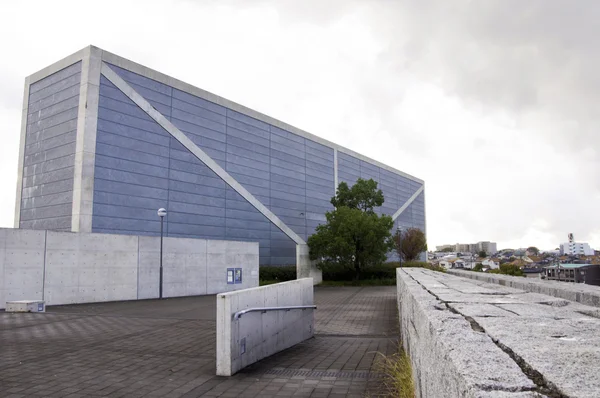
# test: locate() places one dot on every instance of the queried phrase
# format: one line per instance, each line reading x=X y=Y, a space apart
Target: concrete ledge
x=578 y=292
x=257 y=335
x=25 y=306
x=473 y=339
x=449 y=357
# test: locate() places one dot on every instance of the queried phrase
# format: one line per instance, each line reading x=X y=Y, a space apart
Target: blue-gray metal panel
x=214 y=182
x=121 y=107
x=198 y=111
x=196 y=209
x=51 y=132
x=130 y=121
x=54 y=223
x=191 y=167
x=52 y=142
x=134 y=78
x=48 y=178
x=39 y=213
x=48 y=189
x=251 y=163
x=115 y=163
x=200 y=102
x=54 y=109
x=119 y=151
x=197 y=120
x=280 y=171
x=111 y=186
x=234 y=168
x=185 y=197
x=247 y=119
x=288 y=143
x=237 y=128
x=198 y=231
x=118 y=199
x=196 y=188
x=46 y=200
x=50 y=154
x=290 y=156
x=288 y=135
x=198 y=130
x=52 y=121
x=129 y=177
x=64 y=84
x=295 y=190
x=116 y=225
x=48 y=166
x=241 y=143
x=196 y=219
x=282 y=164
x=131 y=132
x=287 y=180
x=319 y=162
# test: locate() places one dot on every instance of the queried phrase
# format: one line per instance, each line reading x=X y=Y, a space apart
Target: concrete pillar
x=306 y=268
x=85 y=149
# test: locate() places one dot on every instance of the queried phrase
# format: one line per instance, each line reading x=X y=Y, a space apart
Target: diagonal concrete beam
x=140 y=101
x=408 y=203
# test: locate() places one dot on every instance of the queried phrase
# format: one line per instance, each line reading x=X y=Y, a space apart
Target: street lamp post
x=161 y=213
x=399 y=233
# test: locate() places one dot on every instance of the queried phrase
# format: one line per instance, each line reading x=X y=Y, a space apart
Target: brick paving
x=167 y=349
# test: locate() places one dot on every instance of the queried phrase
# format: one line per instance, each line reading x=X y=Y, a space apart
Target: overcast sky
x=493 y=103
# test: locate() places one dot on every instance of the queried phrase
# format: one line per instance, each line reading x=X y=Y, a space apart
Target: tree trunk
x=356 y=270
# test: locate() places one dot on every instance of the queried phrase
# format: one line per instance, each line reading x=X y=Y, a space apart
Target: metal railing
x=239 y=314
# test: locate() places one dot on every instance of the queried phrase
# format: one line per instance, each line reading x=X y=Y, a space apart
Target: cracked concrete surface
x=473 y=339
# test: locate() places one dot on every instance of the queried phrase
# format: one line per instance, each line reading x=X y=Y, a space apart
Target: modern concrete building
x=576 y=249
x=105 y=142
x=577 y=273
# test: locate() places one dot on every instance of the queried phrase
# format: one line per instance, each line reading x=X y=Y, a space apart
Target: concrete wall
x=449 y=358
x=262 y=334
x=65 y=268
x=49 y=155
x=578 y=292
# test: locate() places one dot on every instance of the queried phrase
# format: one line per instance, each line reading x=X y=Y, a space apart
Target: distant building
x=576 y=273
x=488 y=247
x=575 y=249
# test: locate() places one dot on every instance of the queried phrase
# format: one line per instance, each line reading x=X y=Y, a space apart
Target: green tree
x=447 y=250
x=482 y=253
x=354 y=236
x=533 y=250
x=410 y=243
x=510 y=269
x=478 y=267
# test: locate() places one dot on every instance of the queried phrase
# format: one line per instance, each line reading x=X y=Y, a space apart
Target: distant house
x=576 y=273
x=490 y=263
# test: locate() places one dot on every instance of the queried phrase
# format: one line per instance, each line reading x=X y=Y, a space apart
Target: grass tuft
x=397 y=380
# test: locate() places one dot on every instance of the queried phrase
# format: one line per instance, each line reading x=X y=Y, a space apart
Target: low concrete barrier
x=467 y=338
x=449 y=358
x=257 y=335
x=578 y=292
x=68 y=268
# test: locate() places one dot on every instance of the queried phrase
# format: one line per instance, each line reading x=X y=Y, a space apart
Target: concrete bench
x=25 y=306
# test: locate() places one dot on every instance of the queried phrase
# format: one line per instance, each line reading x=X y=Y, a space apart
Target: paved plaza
x=167 y=349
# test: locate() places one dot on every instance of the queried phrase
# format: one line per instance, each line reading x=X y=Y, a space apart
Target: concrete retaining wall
x=257 y=335
x=450 y=358
x=578 y=292
x=66 y=268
